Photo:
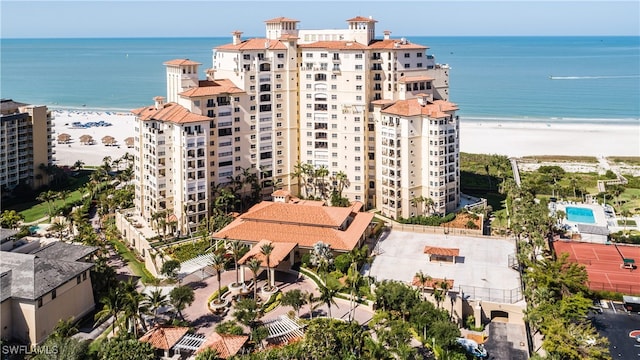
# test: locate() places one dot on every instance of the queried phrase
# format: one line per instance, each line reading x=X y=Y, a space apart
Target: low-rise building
x=43 y=287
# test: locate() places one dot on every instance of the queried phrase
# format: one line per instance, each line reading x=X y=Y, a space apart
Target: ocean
x=539 y=79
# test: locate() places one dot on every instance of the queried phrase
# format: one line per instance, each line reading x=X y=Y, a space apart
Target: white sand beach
x=122 y=127
x=512 y=139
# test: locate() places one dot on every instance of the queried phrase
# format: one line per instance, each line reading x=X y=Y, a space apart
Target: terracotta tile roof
x=362 y=18
x=281 y=193
x=224 y=344
x=170 y=112
x=209 y=88
x=164 y=337
x=433 y=283
x=179 y=62
x=407 y=79
x=280 y=251
x=391 y=44
x=255 y=44
x=295 y=223
x=279 y=20
x=299 y=214
x=432 y=250
x=437 y=109
x=334 y=45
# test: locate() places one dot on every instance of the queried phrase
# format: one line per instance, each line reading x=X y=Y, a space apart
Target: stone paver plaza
x=483 y=262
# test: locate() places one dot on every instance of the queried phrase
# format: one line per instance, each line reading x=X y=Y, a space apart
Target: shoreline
x=477 y=135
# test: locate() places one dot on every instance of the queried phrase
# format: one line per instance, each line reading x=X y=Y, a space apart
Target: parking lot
x=615 y=324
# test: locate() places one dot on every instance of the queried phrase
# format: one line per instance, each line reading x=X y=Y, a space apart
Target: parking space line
x=613 y=307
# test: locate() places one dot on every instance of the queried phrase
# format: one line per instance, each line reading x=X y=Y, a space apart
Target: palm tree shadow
x=206 y=319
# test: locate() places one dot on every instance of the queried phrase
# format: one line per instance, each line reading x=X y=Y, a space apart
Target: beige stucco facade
x=25 y=143
x=31 y=321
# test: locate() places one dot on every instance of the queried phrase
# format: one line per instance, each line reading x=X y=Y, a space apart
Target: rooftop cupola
x=237 y=37
x=159 y=102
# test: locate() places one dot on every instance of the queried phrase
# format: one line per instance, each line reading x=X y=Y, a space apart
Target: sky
x=158 y=18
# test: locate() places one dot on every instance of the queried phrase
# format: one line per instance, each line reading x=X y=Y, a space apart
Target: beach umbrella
x=129 y=142
x=86 y=139
x=63 y=138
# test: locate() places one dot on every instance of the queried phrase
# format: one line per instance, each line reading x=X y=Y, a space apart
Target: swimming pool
x=580 y=215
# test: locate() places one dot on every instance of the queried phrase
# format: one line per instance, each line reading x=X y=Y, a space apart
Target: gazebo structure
x=225 y=345
x=129 y=142
x=164 y=338
x=87 y=140
x=64 y=138
x=282 y=252
x=442 y=254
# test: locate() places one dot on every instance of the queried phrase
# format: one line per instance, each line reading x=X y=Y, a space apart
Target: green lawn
x=136 y=266
x=39 y=209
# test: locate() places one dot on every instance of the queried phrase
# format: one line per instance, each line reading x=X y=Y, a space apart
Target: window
x=309 y=76
x=419 y=65
x=358 y=56
x=334 y=97
x=323 y=55
x=358 y=87
x=280 y=56
x=334 y=76
x=78 y=279
x=358 y=67
x=39 y=302
x=406 y=66
x=53 y=294
x=358 y=77
x=309 y=55
x=407 y=55
x=419 y=54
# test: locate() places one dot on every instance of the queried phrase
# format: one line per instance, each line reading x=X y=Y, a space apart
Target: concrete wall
x=6 y=323
x=72 y=300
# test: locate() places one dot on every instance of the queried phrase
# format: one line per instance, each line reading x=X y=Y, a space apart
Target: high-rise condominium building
x=371 y=109
x=25 y=144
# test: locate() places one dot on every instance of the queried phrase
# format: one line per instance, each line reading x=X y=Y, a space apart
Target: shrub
x=306 y=260
x=229 y=327
x=342 y=262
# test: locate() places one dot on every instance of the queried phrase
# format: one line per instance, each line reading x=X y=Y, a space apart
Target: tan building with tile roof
x=305 y=225
x=304 y=96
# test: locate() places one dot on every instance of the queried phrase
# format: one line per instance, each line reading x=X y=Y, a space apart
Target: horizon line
x=252 y=37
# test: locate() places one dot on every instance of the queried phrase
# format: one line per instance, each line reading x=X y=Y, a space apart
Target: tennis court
x=604 y=265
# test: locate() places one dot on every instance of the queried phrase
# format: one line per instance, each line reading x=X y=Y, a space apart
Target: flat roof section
x=483 y=272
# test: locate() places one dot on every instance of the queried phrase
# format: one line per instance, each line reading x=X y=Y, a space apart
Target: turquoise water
x=594 y=79
x=580 y=215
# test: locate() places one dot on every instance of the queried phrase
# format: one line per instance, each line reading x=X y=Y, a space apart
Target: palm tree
x=235 y=248
x=64 y=329
x=78 y=164
x=310 y=298
x=326 y=296
x=154 y=301
x=625 y=217
x=266 y=250
x=48 y=197
x=438 y=295
x=353 y=280
x=343 y=181
x=422 y=278
x=111 y=306
x=181 y=296
x=293 y=298
x=106 y=163
x=321 y=172
x=133 y=307
x=218 y=263
x=416 y=201
x=254 y=265
x=429 y=205
x=58 y=227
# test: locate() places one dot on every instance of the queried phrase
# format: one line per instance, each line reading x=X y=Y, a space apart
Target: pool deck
x=598 y=213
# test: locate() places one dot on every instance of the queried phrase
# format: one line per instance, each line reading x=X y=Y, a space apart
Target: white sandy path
x=122 y=127
x=511 y=139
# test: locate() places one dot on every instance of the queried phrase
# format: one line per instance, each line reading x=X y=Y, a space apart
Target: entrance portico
x=282 y=256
